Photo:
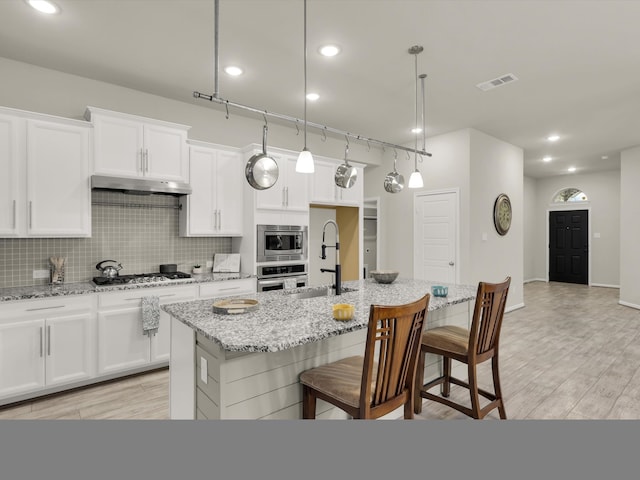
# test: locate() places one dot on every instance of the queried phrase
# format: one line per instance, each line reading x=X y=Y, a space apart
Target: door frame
x=558 y=207
x=424 y=193
x=376 y=201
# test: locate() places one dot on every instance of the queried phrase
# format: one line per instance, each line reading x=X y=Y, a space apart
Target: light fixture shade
x=305 y=162
x=415 y=180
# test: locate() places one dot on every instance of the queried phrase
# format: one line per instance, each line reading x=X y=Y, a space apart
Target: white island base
x=207 y=382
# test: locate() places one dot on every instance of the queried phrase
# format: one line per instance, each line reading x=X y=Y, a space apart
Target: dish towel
x=150 y=315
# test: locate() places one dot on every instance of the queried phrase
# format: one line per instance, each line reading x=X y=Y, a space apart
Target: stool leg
x=446 y=373
x=496 y=387
x=418 y=383
x=308 y=403
x=473 y=391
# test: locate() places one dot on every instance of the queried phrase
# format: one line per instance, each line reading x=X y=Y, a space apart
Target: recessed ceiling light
x=329 y=50
x=571 y=169
x=553 y=138
x=44 y=6
x=312 y=96
x=233 y=71
x=416 y=130
x=604 y=157
x=546 y=159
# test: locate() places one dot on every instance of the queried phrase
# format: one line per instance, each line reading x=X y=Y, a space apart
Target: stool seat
x=450 y=338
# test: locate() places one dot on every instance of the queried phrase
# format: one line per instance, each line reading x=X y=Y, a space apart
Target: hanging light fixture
x=415 y=180
x=305 y=159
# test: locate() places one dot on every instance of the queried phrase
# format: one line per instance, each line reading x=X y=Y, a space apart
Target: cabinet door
x=297 y=186
x=200 y=205
x=12 y=182
x=229 y=177
x=21 y=357
x=118 y=146
x=323 y=183
x=121 y=343
x=166 y=153
x=355 y=194
x=58 y=191
x=273 y=198
x=69 y=348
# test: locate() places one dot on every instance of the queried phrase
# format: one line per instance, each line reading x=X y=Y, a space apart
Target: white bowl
x=384 y=276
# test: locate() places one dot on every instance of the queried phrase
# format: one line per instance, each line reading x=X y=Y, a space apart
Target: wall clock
x=502 y=214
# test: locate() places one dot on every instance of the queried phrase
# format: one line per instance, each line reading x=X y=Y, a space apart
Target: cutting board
x=226 y=263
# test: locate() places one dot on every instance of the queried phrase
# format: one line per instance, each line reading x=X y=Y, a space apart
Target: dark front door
x=569 y=246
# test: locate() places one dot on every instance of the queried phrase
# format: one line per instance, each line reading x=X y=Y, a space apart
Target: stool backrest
x=393 y=341
x=487 y=318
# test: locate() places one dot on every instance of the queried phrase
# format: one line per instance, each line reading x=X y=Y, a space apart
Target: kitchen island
x=247 y=365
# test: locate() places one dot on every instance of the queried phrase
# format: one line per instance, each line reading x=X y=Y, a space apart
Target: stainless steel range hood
x=139 y=186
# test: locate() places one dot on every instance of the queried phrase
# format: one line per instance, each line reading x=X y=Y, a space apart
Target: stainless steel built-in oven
x=280 y=277
x=279 y=243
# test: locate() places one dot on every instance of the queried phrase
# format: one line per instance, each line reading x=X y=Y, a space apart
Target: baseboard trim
x=628 y=304
x=535 y=280
x=604 y=285
x=514 y=307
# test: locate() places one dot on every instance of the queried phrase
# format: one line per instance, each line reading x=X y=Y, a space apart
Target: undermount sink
x=317 y=292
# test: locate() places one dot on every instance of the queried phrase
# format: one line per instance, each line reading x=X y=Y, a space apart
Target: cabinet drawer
x=133 y=298
x=45 y=307
x=228 y=288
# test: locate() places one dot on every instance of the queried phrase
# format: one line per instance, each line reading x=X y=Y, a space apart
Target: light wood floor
x=571 y=353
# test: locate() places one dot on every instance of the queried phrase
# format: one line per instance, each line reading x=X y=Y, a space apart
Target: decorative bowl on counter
x=439 y=291
x=343 y=311
x=384 y=276
x=235 y=306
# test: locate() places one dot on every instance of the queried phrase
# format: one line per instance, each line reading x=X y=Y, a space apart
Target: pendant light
x=415 y=180
x=305 y=159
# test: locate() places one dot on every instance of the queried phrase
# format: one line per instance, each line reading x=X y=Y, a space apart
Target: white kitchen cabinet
x=214 y=207
x=121 y=343
x=46 y=343
x=132 y=146
x=290 y=192
x=325 y=191
x=46 y=191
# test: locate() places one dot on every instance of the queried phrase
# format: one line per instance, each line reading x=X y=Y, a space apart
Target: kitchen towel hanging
x=150 y=315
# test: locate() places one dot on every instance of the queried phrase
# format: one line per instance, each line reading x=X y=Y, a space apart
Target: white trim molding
x=514 y=307
x=627 y=304
x=604 y=285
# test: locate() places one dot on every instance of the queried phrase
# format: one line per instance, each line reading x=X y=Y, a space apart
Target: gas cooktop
x=140 y=278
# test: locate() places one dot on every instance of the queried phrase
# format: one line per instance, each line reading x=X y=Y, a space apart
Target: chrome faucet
x=338 y=270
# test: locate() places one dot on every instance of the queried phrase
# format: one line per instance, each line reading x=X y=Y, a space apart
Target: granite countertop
x=84 y=288
x=281 y=322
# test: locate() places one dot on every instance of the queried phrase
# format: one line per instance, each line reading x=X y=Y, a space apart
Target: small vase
x=197 y=270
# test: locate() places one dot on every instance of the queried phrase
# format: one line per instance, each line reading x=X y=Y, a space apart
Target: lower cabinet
x=122 y=345
x=46 y=343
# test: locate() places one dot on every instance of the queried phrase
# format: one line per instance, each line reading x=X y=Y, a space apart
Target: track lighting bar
x=216 y=99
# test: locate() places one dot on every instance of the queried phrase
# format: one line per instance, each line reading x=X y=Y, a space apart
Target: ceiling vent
x=497 y=82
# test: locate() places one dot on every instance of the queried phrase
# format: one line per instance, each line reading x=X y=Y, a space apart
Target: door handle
x=14 y=214
x=30 y=214
x=219 y=219
x=451 y=264
x=41 y=341
x=49 y=340
x=146 y=160
x=141 y=160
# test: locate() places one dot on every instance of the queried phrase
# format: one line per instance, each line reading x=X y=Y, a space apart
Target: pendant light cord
x=416 y=134
x=305 y=74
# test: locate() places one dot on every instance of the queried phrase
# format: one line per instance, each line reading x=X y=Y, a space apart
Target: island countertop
x=281 y=321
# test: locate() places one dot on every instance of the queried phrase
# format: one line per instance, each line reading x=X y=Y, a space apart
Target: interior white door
x=435 y=237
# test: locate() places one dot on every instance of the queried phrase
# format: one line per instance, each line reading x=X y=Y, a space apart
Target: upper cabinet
x=45 y=191
x=214 y=208
x=131 y=146
x=290 y=192
x=324 y=190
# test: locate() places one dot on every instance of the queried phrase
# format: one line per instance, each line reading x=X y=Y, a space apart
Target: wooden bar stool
x=371 y=386
x=471 y=347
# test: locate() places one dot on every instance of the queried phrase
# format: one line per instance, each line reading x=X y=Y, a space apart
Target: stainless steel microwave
x=277 y=243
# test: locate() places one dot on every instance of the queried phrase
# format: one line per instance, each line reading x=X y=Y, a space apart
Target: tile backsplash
x=140 y=235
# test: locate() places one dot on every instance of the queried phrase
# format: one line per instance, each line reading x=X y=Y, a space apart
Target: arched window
x=570 y=195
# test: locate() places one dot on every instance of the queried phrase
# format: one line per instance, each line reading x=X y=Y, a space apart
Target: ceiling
x=576 y=63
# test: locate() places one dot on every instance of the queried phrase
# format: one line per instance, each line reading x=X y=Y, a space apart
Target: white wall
x=481 y=167
x=448 y=167
x=603 y=192
x=630 y=227
x=529 y=229
x=32 y=88
x=496 y=167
